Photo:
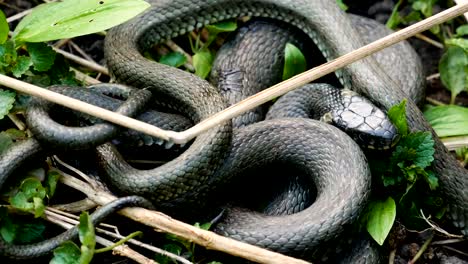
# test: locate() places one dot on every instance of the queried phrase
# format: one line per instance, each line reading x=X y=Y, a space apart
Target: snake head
x=369 y=126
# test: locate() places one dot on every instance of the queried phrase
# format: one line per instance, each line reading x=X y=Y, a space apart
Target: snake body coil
x=321 y=20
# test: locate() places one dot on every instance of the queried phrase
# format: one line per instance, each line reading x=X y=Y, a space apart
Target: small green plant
x=25 y=56
x=405 y=175
x=70 y=253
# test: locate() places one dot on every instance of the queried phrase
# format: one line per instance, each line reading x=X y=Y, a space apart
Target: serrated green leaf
x=380 y=219
x=30 y=197
x=4 y=28
x=8 y=53
x=462 y=30
x=460 y=42
x=423 y=146
x=397 y=114
x=71 y=18
x=294 y=61
x=7 y=99
x=42 y=56
x=452 y=70
x=202 y=62
x=174 y=59
x=21 y=66
x=67 y=253
x=448 y=120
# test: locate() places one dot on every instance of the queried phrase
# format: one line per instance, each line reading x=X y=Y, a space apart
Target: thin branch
x=18 y=122
x=430 y=41
x=92 y=65
x=245 y=105
x=18 y=16
x=456 y=250
x=448 y=241
x=453 y=143
x=121 y=250
x=75 y=207
x=164 y=223
x=459 y=2
x=436 y=228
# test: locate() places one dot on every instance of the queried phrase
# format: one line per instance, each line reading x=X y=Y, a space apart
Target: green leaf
x=425 y=7
x=7 y=99
x=86 y=230
x=71 y=18
x=67 y=253
x=42 y=55
x=8 y=53
x=8 y=229
x=397 y=115
x=342 y=5
x=395 y=19
x=173 y=248
x=205 y=226
x=448 y=120
x=419 y=148
x=294 y=61
x=30 y=231
x=21 y=66
x=202 y=62
x=51 y=183
x=4 y=28
x=380 y=219
x=223 y=26
x=174 y=59
x=5 y=142
x=432 y=180
x=452 y=70
x=460 y=42
x=462 y=30
x=30 y=197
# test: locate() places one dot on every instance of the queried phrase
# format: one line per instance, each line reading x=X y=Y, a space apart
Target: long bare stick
x=247 y=104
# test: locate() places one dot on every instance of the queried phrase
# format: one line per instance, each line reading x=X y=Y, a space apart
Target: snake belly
x=321 y=20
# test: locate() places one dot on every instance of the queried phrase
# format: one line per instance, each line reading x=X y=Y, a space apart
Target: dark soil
x=404 y=242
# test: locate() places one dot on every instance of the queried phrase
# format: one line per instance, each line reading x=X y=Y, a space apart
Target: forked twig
x=247 y=104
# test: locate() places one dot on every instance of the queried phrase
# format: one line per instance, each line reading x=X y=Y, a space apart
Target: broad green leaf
x=294 y=61
x=380 y=219
x=71 y=18
x=223 y=26
x=342 y=5
x=452 y=70
x=397 y=115
x=4 y=28
x=30 y=231
x=7 y=99
x=67 y=253
x=174 y=59
x=462 y=30
x=7 y=227
x=21 y=66
x=448 y=120
x=86 y=230
x=42 y=55
x=202 y=62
